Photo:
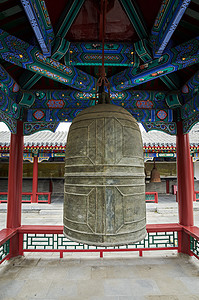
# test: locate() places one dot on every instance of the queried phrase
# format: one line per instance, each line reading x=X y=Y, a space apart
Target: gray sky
x=62 y=127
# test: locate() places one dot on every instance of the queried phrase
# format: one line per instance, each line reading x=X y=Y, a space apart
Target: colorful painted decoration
x=174 y=100
x=144 y=52
x=143 y=59
x=69 y=98
x=169 y=128
x=30 y=128
x=176 y=58
x=68 y=114
x=170 y=14
x=10 y=122
x=116 y=54
x=38 y=115
x=191 y=88
x=55 y=103
x=190 y=108
x=9 y=107
x=190 y=122
x=161 y=114
x=39 y=19
x=7 y=85
x=28 y=57
x=27 y=99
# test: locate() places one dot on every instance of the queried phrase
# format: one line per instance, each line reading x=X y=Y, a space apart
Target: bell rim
x=106 y=244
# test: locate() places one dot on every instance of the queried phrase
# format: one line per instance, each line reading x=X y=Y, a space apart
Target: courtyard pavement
x=163 y=275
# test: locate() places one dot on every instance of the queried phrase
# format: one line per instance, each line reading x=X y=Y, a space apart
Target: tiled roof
x=42 y=138
x=47 y=138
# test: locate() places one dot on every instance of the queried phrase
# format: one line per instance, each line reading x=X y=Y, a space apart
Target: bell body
x=155 y=175
x=104 y=190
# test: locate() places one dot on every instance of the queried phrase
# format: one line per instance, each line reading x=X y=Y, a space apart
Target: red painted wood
x=155 y=196
x=192 y=230
x=41 y=229
x=15 y=175
x=59 y=229
x=35 y=180
x=167 y=186
x=6 y=234
x=185 y=178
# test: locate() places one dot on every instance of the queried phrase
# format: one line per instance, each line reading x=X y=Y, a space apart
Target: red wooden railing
x=192 y=232
x=154 y=197
x=44 y=197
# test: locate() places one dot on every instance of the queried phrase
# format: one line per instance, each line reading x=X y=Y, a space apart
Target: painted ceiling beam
x=69 y=15
x=60 y=45
x=143 y=50
x=174 y=59
x=191 y=88
x=28 y=57
x=116 y=54
x=68 y=114
x=39 y=19
x=11 y=89
x=48 y=99
x=169 y=15
x=135 y=17
x=60 y=49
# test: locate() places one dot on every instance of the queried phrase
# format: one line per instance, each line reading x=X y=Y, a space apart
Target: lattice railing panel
x=150 y=197
x=194 y=244
x=4 y=250
x=60 y=242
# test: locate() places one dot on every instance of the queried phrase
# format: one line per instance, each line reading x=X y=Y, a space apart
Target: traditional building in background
x=47 y=151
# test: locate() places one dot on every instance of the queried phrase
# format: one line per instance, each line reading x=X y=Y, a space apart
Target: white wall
x=196 y=169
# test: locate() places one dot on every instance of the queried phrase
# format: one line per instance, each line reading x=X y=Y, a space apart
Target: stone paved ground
x=118 y=276
x=114 y=277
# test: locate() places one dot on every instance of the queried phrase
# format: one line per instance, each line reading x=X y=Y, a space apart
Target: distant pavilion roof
x=50 y=139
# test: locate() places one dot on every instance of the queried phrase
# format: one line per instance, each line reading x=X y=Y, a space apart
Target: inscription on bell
x=104 y=189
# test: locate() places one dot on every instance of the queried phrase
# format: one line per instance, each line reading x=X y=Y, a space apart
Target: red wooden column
x=185 y=185
x=35 y=180
x=15 y=176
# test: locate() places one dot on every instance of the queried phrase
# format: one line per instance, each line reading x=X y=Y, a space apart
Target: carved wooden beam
x=28 y=57
x=39 y=19
x=174 y=59
x=137 y=99
x=169 y=15
x=135 y=17
x=68 y=16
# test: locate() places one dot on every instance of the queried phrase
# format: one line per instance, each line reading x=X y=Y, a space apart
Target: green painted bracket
x=135 y=17
x=191 y=88
x=69 y=14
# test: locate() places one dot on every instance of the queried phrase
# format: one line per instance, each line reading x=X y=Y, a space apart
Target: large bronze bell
x=104 y=186
x=155 y=175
